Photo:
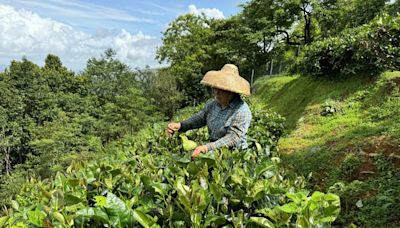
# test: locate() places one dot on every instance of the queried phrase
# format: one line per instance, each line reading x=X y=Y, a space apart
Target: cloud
x=208 y=12
x=170 y=9
x=24 y=33
x=76 y=9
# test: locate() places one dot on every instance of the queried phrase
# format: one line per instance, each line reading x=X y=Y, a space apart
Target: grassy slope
x=357 y=143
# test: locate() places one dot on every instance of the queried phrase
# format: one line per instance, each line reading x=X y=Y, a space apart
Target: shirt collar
x=234 y=102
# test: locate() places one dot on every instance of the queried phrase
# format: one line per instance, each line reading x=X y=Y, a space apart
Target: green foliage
x=349 y=165
x=371 y=203
x=146 y=181
x=294 y=96
x=340 y=153
x=330 y=15
x=394 y=8
x=366 y=51
x=163 y=93
x=317 y=209
x=334 y=16
x=47 y=113
x=330 y=107
x=267 y=127
x=53 y=62
x=109 y=77
x=233 y=41
x=269 y=18
x=188 y=145
x=185 y=47
x=363 y=12
x=126 y=115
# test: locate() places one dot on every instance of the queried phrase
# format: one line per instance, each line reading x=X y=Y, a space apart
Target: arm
x=198 y=120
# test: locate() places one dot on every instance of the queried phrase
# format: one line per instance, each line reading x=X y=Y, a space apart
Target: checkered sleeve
x=198 y=120
x=237 y=128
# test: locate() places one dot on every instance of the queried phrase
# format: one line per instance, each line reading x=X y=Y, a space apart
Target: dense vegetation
x=49 y=112
x=150 y=180
x=80 y=149
x=367 y=50
x=323 y=38
x=346 y=134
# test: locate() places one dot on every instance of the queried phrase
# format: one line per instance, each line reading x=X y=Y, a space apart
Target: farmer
x=227 y=116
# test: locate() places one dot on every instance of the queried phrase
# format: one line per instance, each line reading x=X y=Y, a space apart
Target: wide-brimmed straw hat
x=227 y=78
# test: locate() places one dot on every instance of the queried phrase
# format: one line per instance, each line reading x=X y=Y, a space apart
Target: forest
x=89 y=148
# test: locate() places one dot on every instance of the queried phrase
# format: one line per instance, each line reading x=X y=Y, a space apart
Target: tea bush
x=150 y=180
x=367 y=50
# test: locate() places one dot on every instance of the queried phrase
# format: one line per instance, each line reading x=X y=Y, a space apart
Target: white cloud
x=208 y=12
x=170 y=9
x=76 y=9
x=24 y=33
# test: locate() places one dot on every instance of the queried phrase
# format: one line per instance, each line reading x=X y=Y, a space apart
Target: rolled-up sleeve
x=236 y=130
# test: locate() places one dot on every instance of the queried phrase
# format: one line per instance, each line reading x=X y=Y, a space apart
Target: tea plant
x=151 y=180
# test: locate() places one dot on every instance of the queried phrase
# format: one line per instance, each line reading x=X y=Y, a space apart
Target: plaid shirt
x=226 y=126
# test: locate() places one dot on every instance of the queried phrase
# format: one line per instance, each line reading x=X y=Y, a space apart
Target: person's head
x=226 y=83
x=223 y=97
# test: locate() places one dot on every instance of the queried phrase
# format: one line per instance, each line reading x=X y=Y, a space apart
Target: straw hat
x=227 y=78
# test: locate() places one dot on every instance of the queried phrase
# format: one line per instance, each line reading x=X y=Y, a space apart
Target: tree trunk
x=7 y=159
x=287 y=37
x=307 y=25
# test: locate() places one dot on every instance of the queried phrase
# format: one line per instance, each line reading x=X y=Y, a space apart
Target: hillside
x=345 y=135
x=150 y=180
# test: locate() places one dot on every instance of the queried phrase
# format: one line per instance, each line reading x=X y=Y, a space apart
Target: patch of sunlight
x=294 y=144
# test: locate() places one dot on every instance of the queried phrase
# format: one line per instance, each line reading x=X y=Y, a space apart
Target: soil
x=376 y=146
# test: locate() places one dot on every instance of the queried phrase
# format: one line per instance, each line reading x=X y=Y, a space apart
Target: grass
x=337 y=146
x=366 y=108
x=292 y=96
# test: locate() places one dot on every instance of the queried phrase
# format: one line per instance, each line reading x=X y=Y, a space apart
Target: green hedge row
x=367 y=50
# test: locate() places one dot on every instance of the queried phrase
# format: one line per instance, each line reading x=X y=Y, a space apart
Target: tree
x=330 y=15
x=394 y=8
x=233 y=42
x=126 y=115
x=363 y=12
x=122 y=107
x=160 y=87
x=58 y=77
x=10 y=132
x=21 y=85
x=164 y=94
x=53 y=140
x=109 y=77
x=145 y=77
x=186 y=48
x=334 y=16
x=271 y=18
x=32 y=98
x=53 y=62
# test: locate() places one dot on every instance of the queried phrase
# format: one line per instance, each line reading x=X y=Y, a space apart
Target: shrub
x=267 y=127
x=330 y=107
x=367 y=50
x=151 y=181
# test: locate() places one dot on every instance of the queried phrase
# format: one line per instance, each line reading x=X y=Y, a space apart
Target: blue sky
x=77 y=30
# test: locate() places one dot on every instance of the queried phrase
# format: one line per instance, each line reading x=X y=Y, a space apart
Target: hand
x=198 y=150
x=172 y=127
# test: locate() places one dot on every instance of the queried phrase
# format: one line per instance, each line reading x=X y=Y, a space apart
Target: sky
x=78 y=30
